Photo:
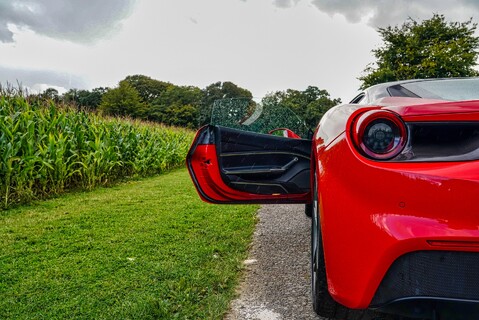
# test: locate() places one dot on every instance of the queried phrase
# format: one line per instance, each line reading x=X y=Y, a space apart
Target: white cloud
x=75 y=20
x=39 y=80
x=395 y=12
x=40 y=87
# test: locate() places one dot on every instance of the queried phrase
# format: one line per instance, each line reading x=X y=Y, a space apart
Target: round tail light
x=379 y=134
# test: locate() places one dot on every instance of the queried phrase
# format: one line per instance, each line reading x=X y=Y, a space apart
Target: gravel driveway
x=277 y=281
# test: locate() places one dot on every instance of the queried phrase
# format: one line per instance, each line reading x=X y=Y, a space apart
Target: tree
x=149 y=89
x=219 y=90
x=71 y=97
x=165 y=102
x=177 y=105
x=432 y=48
x=50 y=94
x=91 y=99
x=181 y=115
x=310 y=104
x=122 y=101
x=84 y=98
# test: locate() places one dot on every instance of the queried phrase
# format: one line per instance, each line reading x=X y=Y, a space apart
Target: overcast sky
x=261 y=45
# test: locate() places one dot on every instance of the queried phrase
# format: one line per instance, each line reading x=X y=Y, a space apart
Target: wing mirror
x=283 y=132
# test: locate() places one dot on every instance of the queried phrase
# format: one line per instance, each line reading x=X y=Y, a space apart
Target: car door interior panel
x=252 y=163
x=268 y=164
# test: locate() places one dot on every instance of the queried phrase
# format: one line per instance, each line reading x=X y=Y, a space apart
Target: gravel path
x=277 y=281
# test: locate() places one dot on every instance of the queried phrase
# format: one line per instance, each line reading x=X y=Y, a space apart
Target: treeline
x=141 y=97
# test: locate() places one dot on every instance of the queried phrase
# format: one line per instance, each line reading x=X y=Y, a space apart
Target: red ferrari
x=390 y=180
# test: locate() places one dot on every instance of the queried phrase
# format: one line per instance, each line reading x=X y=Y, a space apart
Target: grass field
x=147 y=249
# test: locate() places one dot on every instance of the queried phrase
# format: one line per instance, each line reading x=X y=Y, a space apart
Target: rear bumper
x=431 y=307
x=451 y=274
x=373 y=214
x=424 y=282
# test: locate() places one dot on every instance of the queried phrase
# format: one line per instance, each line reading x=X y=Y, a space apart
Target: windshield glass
x=248 y=115
x=448 y=89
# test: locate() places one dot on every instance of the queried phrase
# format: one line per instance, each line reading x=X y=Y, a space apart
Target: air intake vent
x=441 y=274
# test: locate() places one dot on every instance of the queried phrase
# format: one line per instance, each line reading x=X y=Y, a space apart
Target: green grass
x=147 y=249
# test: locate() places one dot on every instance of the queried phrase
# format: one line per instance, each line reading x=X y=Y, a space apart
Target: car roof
x=379 y=91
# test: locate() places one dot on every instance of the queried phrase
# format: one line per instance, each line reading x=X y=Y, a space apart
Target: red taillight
x=379 y=134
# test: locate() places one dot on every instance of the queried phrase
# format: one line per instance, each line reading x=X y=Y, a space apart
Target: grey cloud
x=285 y=3
x=282 y=3
x=75 y=20
x=393 y=12
x=30 y=79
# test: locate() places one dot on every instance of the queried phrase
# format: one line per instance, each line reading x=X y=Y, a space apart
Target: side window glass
x=267 y=118
x=360 y=98
x=400 y=91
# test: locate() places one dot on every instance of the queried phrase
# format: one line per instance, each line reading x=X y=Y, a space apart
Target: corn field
x=46 y=150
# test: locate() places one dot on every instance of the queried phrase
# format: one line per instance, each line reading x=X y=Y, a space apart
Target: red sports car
x=391 y=182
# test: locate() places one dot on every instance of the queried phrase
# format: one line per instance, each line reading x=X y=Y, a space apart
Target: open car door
x=235 y=166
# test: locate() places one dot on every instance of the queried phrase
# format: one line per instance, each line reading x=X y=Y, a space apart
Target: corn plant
x=47 y=149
